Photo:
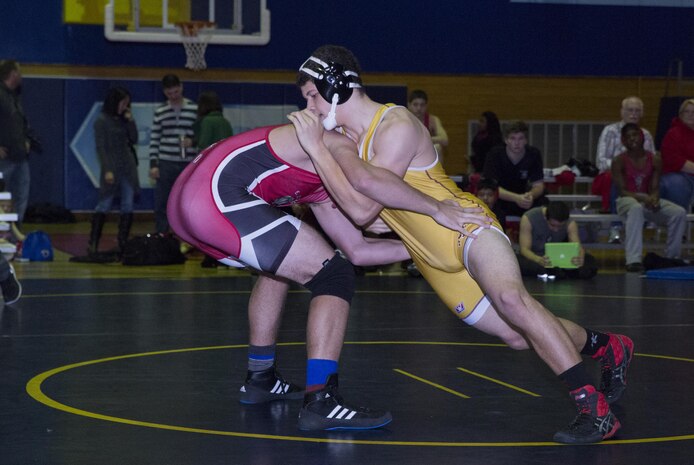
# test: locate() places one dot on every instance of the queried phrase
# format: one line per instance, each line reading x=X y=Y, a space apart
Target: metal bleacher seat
x=7 y=248
x=7 y=216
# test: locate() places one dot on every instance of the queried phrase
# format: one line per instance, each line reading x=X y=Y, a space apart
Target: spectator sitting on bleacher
x=636 y=174
x=609 y=146
x=9 y=285
x=488 y=136
x=12 y=235
x=488 y=192
x=551 y=223
x=517 y=167
x=418 y=104
x=677 y=150
x=610 y=143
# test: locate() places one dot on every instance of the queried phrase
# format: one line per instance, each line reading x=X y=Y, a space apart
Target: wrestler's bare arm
x=361 y=209
x=379 y=178
x=342 y=171
x=360 y=250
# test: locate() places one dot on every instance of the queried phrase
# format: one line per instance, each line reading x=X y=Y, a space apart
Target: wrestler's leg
x=493 y=264
x=493 y=324
x=327 y=319
x=330 y=278
x=308 y=256
x=265 y=309
x=613 y=351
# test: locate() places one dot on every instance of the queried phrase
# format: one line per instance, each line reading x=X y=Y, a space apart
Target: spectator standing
x=677 y=150
x=517 y=167
x=15 y=137
x=115 y=136
x=551 y=223
x=211 y=126
x=488 y=136
x=171 y=147
x=636 y=174
x=418 y=104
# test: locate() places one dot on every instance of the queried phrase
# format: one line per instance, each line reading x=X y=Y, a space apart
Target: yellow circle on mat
x=33 y=387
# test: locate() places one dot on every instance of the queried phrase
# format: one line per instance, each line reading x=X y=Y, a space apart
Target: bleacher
x=7 y=248
x=594 y=225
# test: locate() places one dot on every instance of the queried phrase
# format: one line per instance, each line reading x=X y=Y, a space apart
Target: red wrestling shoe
x=614 y=362
x=594 y=422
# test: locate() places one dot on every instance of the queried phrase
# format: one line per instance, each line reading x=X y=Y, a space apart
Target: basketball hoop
x=195 y=36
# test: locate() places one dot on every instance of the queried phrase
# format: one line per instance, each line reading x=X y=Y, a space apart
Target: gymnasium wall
x=403 y=36
x=523 y=60
x=62 y=110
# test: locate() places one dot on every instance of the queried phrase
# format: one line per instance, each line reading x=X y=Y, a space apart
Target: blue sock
x=261 y=357
x=318 y=371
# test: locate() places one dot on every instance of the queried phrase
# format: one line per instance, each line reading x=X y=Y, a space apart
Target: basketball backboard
x=238 y=22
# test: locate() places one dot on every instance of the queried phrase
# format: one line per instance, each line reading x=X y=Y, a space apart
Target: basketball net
x=195 y=36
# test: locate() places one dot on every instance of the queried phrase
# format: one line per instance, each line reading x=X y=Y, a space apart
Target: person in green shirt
x=211 y=126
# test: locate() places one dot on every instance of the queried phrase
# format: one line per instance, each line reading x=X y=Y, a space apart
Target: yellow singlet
x=439 y=253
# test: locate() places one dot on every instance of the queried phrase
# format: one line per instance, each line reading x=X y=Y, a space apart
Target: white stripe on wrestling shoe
x=340 y=412
x=280 y=387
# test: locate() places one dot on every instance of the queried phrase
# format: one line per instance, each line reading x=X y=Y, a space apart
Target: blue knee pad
x=336 y=278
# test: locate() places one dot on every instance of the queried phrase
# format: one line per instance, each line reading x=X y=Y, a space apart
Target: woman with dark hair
x=115 y=134
x=488 y=136
x=211 y=126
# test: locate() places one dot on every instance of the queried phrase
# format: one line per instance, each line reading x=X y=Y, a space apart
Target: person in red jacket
x=677 y=151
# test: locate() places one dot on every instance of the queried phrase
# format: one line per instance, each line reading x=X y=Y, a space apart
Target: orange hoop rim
x=191 y=28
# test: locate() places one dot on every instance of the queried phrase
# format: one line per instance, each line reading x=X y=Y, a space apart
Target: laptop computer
x=561 y=253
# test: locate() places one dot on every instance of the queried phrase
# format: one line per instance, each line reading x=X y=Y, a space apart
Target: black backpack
x=152 y=249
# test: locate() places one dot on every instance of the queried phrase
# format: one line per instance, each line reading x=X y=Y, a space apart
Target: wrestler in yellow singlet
x=439 y=253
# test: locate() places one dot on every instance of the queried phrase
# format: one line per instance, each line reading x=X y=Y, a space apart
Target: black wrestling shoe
x=594 y=422
x=326 y=410
x=267 y=386
x=11 y=288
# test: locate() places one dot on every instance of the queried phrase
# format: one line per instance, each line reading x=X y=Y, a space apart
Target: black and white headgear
x=333 y=82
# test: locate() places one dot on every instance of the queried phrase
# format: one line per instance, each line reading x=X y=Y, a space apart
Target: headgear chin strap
x=330 y=123
x=333 y=82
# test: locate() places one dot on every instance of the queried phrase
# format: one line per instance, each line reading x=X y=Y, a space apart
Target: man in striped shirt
x=171 y=147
